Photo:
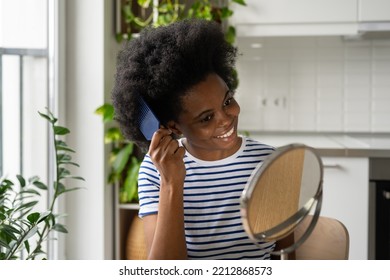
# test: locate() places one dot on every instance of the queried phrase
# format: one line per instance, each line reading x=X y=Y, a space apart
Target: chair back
x=328 y=241
x=135 y=245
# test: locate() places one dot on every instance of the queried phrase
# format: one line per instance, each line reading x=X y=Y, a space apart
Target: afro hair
x=162 y=64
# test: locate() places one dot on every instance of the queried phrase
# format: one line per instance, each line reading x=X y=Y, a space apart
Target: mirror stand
x=282 y=192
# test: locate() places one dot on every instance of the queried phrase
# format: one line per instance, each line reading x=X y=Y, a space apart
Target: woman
x=197 y=165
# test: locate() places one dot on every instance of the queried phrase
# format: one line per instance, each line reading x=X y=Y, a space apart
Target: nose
x=224 y=118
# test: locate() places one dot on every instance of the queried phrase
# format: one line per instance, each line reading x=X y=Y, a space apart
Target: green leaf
x=43 y=216
x=122 y=157
x=40 y=185
x=62 y=158
x=9 y=231
x=31 y=233
x=21 y=180
x=33 y=217
x=63 y=172
x=113 y=134
x=226 y=12
x=64 y=148
x=62 y=191
x=27 y=246
x=60 y=130
x=45 y=116
x=131 y=182
x=30 y=191
x=106 y=111
x=33 y=179
x=26 y=205
x=59 y=187
x=5 y=245
x=71 y=163
x=60 y=228
x=241 y=2
x=230 y=34
x=144 y=3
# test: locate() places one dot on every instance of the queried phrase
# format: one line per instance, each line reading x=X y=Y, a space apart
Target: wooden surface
x=328 y=241
x=135 y=245
x=276 y=195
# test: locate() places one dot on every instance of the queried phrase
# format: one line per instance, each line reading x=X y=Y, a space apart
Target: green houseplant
x=141 y=13
x=124 y=158
x=22 y=227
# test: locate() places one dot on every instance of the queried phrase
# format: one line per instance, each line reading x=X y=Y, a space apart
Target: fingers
x=162 y=141
x=158 y=136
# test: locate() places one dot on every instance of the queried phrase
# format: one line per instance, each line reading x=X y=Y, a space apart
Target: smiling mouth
x=227 y=134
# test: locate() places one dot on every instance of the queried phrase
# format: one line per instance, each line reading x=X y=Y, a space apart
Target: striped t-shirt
x=212 y=189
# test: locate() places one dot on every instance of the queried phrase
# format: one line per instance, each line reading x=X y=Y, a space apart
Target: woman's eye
x=207 y=118
x=228 y=101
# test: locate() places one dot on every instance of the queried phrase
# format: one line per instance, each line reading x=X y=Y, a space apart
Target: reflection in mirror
x=281 y=193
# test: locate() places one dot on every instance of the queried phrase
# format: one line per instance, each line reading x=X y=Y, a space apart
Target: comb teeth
x=147 y=120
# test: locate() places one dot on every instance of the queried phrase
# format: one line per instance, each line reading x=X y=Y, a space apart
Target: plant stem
x=17 y=244
x=45 y=230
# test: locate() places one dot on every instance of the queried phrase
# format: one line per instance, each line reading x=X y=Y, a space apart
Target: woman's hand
x=167 y=156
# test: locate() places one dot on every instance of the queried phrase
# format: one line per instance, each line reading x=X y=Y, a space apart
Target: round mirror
x=281 y=193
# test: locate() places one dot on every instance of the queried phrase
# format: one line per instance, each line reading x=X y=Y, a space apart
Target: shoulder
x=251 y=143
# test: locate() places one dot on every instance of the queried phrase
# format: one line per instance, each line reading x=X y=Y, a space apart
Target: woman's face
x=209 y=120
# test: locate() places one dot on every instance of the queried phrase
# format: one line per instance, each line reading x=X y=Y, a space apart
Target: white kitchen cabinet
x=374 y=10
x=345 y=198
x=295 y=17
x=295 y=11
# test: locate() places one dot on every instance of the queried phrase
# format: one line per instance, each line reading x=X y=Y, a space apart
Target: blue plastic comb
x=147 y=120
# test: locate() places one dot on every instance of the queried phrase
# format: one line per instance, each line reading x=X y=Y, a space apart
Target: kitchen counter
x=332 y=144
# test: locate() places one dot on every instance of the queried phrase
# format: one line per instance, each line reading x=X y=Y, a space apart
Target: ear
x=174 y=127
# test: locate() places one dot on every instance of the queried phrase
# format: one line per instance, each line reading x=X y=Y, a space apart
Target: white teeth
x=227 y=134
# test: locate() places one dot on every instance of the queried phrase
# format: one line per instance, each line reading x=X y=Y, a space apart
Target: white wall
x=90 y=60
x=323 y=84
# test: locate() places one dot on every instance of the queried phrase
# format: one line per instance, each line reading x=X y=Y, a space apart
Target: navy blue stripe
x=213 y=199
x=217 y=241
x=232 y=253
x=215 y=234
x=224 y=165
x=212 y=220
x=212 y=206
x=221 y=172
x=210 y=249
x=211 y=193
x=210 y=214
x=213 y=227
x=147 y=191
x=217 y=179
x=147 y=203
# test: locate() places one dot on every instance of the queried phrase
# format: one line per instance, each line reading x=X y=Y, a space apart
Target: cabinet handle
x=332 y=165
x=386 y=195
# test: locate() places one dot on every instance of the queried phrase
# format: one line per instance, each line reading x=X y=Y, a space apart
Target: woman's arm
x=164 y=231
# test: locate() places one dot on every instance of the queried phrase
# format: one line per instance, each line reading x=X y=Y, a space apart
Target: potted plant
x=124 y=157
x=22 y=227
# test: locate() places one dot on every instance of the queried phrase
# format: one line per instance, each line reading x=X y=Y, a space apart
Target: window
x=27 y=85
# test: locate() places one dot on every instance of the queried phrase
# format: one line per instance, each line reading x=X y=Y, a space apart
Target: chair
x=135 y=245
x=329 y=240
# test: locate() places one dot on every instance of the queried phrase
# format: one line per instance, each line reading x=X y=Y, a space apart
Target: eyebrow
x=208 y=111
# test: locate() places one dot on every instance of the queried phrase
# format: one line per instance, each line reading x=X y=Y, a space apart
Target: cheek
x=234 y=109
